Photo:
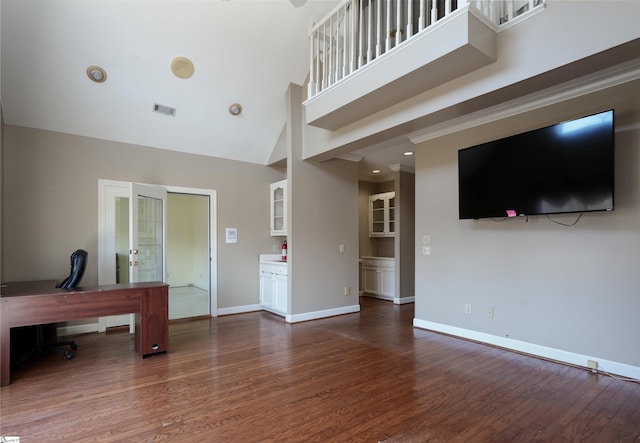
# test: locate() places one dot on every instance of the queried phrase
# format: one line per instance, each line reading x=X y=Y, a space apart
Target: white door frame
x=213 y=242
x=107 y=191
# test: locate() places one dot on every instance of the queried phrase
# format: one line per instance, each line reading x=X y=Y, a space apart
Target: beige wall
x=405 y=237
x=1 y=193
x=570 y=289
x=323 y=213
x=50 y=201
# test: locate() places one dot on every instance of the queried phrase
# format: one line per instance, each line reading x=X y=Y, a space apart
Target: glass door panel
x=147 y=233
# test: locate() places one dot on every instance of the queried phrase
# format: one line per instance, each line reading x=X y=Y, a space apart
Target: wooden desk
x=40 y=302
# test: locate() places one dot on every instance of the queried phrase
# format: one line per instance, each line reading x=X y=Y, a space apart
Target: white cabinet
x=382 y=215
x=279 y=208
x=378 y=277
x=273 y=286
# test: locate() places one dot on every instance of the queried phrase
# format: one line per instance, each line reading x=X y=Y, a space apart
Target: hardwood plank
x=362 y=377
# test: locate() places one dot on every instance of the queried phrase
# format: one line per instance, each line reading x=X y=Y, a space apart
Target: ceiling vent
x=166 y=110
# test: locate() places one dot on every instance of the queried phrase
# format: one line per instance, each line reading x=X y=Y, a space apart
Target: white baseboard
x=239 y=309
x=315 y=315
x=559 y=355
x=77 y=329
x=403 y=300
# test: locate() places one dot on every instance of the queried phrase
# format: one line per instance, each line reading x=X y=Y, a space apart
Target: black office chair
x=78 y=265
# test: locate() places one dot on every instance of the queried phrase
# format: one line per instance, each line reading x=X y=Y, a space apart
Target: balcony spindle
x=379 y=41
x=352 y=38
x=332 y=54
x=421 y=19
x=409 y=19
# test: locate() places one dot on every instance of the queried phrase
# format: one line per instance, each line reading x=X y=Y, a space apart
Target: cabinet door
x=376 y=215
x=391 y=214
x=280 y=287
x=370 y=280
x=382 y=212
x=386 y=282
x=279 y=208
x=266 y=289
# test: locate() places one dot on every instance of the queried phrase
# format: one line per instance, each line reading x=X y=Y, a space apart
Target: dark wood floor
x=365 y=377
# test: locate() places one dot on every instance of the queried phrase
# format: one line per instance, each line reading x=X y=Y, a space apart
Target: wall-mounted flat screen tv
x=567 y=167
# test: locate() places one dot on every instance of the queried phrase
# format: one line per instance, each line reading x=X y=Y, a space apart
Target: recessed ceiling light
x=376 y=171
x=407 y=153
x=235 y=109
x=96 y=74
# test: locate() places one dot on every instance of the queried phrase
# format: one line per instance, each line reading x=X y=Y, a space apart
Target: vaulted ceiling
x=243 y=51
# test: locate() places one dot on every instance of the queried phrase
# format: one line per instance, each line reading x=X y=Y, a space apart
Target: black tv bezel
x=531 y=133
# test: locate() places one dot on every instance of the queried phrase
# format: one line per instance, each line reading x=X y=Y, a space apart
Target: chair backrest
x=78 y=265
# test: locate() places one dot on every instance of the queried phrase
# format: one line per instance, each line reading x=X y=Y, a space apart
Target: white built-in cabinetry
x=378 y=277
x=279 y=208
x=273 y=286
x=382 y=214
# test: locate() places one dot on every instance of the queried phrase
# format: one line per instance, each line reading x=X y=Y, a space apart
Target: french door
x=132 y=225
x=147 y=233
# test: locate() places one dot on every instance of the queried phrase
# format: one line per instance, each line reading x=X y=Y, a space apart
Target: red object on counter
x=284 y=251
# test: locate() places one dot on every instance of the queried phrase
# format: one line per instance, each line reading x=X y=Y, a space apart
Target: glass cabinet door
x=279 y=208
x=382 y=215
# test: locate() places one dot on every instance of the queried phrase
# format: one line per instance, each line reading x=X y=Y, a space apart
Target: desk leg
x=5 y=344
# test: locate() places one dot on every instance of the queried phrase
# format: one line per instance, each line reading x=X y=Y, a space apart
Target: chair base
x=40 y=347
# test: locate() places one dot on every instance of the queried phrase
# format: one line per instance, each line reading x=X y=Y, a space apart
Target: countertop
x=272 y=258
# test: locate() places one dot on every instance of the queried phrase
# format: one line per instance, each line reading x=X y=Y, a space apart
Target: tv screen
x=567 y=167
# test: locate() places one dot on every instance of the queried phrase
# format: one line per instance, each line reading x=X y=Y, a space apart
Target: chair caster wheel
x=68 y=355
x=74 y=346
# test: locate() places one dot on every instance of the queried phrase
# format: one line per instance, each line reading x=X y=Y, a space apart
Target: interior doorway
x=190 y=241
x=188 y=255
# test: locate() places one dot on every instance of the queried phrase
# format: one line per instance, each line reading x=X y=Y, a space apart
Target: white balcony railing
x=357 y=32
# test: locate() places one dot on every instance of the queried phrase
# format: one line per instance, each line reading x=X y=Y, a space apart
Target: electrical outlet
x=490 y=312
x=347 y=290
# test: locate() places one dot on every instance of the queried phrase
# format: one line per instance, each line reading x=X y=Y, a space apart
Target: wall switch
x=347 y=290
x=467 y=308
x=341 y=247
x=426 y=250
x=490 y=312
x=276 y=248
x=426 y=239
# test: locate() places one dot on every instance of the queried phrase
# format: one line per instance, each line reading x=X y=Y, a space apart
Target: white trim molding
x=315 y=315
x=559 y=355
x=239 y=309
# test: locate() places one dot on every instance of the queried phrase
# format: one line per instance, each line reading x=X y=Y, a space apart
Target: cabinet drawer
x=273 y=268
x=378 y=263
